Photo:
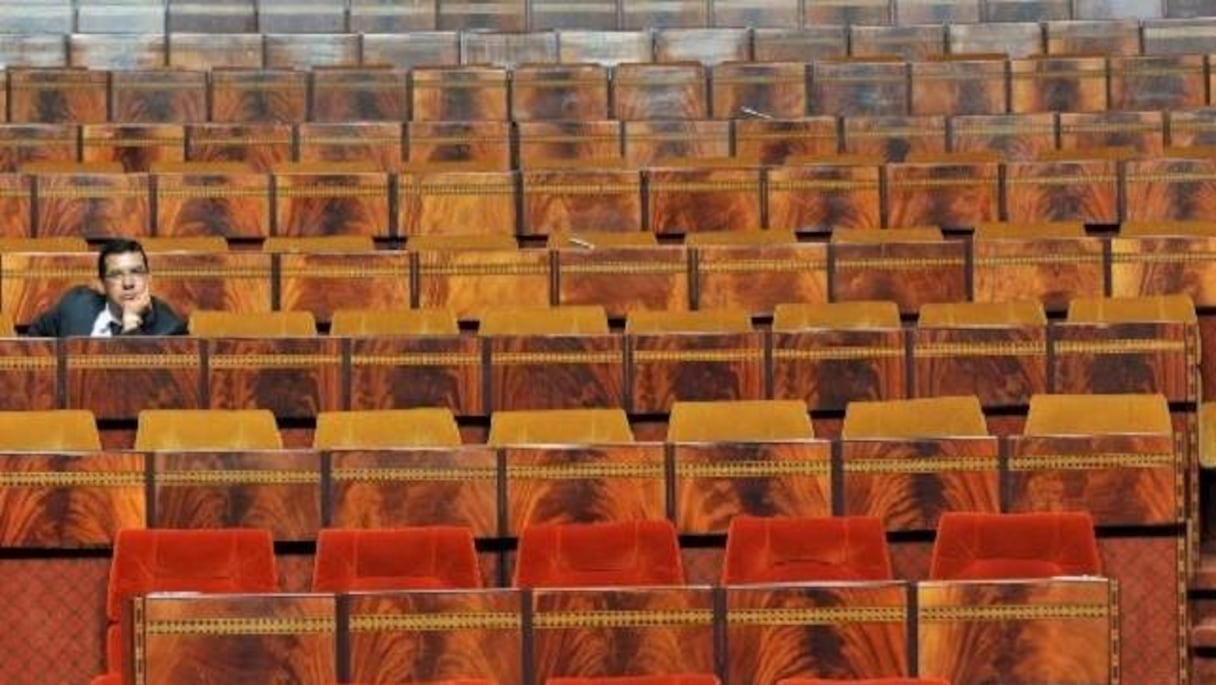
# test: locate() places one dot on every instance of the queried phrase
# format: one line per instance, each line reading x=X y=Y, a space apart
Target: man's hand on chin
x=133 y=312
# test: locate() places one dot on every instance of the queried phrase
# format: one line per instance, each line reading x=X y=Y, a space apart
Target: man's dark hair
x=118 y=246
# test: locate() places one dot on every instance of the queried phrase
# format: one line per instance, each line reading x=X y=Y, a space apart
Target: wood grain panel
x=31 y=283
x=756 y=278
x=692 y=366
x=1093 y=37
x=624 y=279
x=93 y=205
x=1084 y=190
x=709 y=46
x=1162 y=265
x=648 y=143
x=459 y=93
x=136 y=146
x=158 y=96
x=292 y=377
x=29 y=374
x=1057 y=84
x=206 y=204
x=508 y=49
x=1156 y=82
x=49 y=96
x=859 y=88
x=772 y=142
x=894 y=138
x=234 y=282
x=471 y=282
x=574 y=92
x=325 y=283
x=822 y=197
x=1126 y=358
x=265 y=96
x=1053 y=271
x=491 y=15
x=938 y=12
x=377 y=143
x=588 y=16
x=570 y=201
x=364 y=95
x=21 y=144
x=458 y=202
x=565 y=142
x=958 y=87
x=945 y=194
x=869 y=12
x=775 y=13
x=116 y=378
x=261 y=146
x=430 y=371
x=205 y=51
x=695 y=200
x=829 y=368
x=1190 y=128
x=776 y=90
x=908 y=274
x=659 y=91
x=678 y=13
x=910 y=41
x=1169 y=189
x=1002 y=366
x=16 y=203
x=1143 y=132
x=910 y=483
x=809 y=44
x=320 y=204
x=556 y=372
x=1017 y=137
x=484 y=144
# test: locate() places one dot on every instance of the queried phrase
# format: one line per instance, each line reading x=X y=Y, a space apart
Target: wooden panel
x=234 y=282
x=659 y=91
x=206 y=51
x=828 y=368
x=559 y=92
x=622 y=631
x=666 y=14
x=211 y=19
x=1027 y=10
x=584 y=484
x=859 y=88
x=770 y=13
x=69 y=500
x=1118 y=9
x=331 y=204
x=1143 y=132
x=458 y=203
x=774 y=90
x=326 y=46
x=823 y=197
x=716 y=482
x=1192 y=128
x=424 y=487
x=1053 y=271
x=16 y=203
x=1001 y=365
x=1036 y=631
x=1064 y=84
x=34 y=50
x=579 y=200
x=294 y=378
x=24 y=143
x=696 y=200
x=605 y=47
x=28 y=374
x=894 y=138
x=376 y=143
x=493 y=15
x=847 y=12
x=648 y=143
x=1156 y=82
x=262 y=146
x=430 y=371
x=391 y=17
x=464 y=93
x=772 y=142
x=694 y=366
x=624 y=279
x=910 y=483
x=262 y=96
x=908 y=42
x=203 y=204
x=348 y=95
x=958 y=87
x=937 y=12
x=944 y=194
x=415 y=48
x=117 y=51
x=1014 y=38
x=471 y=282
x=508 y=49
x=858 y=630
x=556 y=372
x=93 y=205
x=1152 y=265
x=49 y=96
x=33 y=283
x=136 y=146
x=709 y=46
x=809 y=44
x=262 y=637
x=325 y=283
x=1083 y=190
x=1017 y=137
x=424 y=636
x=158 y=96
x=152 y=373
x=589 y=15
x=757 y=278
x=1169 y=189
x=1126 y=358
x=1093 y=37
x=1179 y=37
x=1121 y=480
x=486 y=143
x=906 y=273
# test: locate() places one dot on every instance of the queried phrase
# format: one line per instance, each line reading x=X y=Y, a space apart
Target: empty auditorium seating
x=792 y=550
x=559 y=426
x=386 y=429
x=70 y=430
x=264 y=324
x=973 y=546
x=863 y=681
x=400 y=559
x=599 y=555
x=692 y=679
x=740 y=421
x=166 y=429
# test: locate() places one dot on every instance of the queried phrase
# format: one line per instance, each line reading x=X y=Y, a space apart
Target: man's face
x=126 y=278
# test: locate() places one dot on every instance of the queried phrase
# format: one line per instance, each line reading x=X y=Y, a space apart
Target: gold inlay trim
x=378 y=623
x=752 y=469
x=949 y=76
x=898 y=264
x=424 y=84
x=825 y=184
x=584 y=470
x=706 y=186
x=1118 y=346
x=15 y=194
x=132 y=142
x=48 y=273
x=1013 y=612
x=1128 y=127
x=264 y=361
x=1008 y=130
x=199 y=139
x=26 y=363
x=199 y=85
x=1060 y=180
x=241 y=626
x=567 y=82
x=36 y=142
x=1162 y=257
x=133 y=361
x=926 y=465
x=327 y=192
x=414 y=474
x=940 y=182
x=57 y=84
x=981 y=349
x=649 y=80
x=534 y=188
x=212 y=193
x=829 y=76
x=70 y=479
x=514 y=358
x=1132 y=70
x=820 y=616
x=1082 y=462
x=1060 y=74
x=366 y=83
x=788 y=135
x=483 y=269
x=625 y=268
x=692 y=136
x=1169 y=177
x=92 y=193
x=345 y=272
x=214 y=272
x=752 y=266
x=226 y=476
x=569 y=139
x=417 y=359
x=1176 y=123
x=764 y=80
x=837 y=353
x=353 y=139
x=1039 y=260
x=696 y=356
x=564 y=620
x=894 y=131
x=417 y=140
x=507 y=188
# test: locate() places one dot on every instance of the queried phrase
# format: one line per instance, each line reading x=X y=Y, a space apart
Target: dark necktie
x=115 y=328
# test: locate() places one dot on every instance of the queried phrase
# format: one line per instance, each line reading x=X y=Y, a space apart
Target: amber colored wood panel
x=413 y=46
x=1012 y=37
x=624 y=279
x=1081 y=190
x=910 y=483
x=471 y=282
x=905 y=40
x=1143 y=132
x=809 y=44
x=491 y=15
x=772 y=89
x=206 y=51
x=843 y=630
x=457 y=202
x=428 y=371
x=849 y=12
x=829 y=368
x=1060 y=84
x=567 y=92
x=508 y=49
x=459 y=93
x=937 y=12
x=1147 y=357
x=93 y=205
x=945 y=194
x=771 y=142
x=626 y=630
x=694 y=366
x=908 y=274
x=64 y=501
x=324 y=283
x=772 y=13
x=660 y=91
x=29 y=372
x=1156 y=82
x=1002 y=366
x=262 y=146
x=158 y=96
x=259 y=96
x=424 y=487
x=24 y=143
x=716 y=482
x=429 y=636
x=592 y=16
x=375 y=143
x=570 y=201
x=823 y=197
x=675 y=14
x=958 y=87
x=1121 y=480
x=542 y=142
x=32 y=283
x=181 y=644
x=584 y=484
x=283 y=48
x=293 y=377
x=15 y=205
x=488 y=143
x=693 y=200
x=556 y=372
x=136 y=146
x=1053 y=271
x=49 y=96
x=365 y=95
x=709 y=46
x=1163 y=265
x=1095 y=37
x=235 y=282
x=332 y=204
x=1050 y=630
x=756 y=278
x=649 y=143
x=609 y=47
x=1169 y=189
x=119 y=377
x=207 y=204
x=1017 y=137
x=894 y=138
x=1195 y=127
x=859 y=88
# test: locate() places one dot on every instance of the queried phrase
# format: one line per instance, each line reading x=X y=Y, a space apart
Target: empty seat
x=973 y=546
x=569 y=320
x=739 y=421
x=371 y=322
x=783 y=550
x=402 y=559
x=685 y=679
x=387 y=429
x=935 y=417
x=1149 y=308
x=1097 y=415
x=207 y=429
x=864 y=681
x=62 y=243
x=57 y=430
x=195 y=243
x=252 y=324
x=559 y=426
x=646 y=322
x=6 y=325
x=322 y=243
x=599 y=554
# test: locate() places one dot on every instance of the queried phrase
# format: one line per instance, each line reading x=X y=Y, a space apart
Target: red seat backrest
x=596 y=554
x=864 y=681
x=685 y=679
x=777 y=550
x=1006 y=546
x=397 y=559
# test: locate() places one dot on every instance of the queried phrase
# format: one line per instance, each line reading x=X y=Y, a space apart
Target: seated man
x=122 y=305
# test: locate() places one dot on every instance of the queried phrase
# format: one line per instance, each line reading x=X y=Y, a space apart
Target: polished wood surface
x=457 y=202
x=158 y=96
x=1061 y=84
x=696 y=200
x=574 y=92
x=660 y=91
x=830 y=368
x=1050 y=270
x=379 y=143
x=1169 y=189
x=570 y=201
x=21 y=144
x=93 y=205
x=821 y=197
x=772 y=142
x=28 y=377
x=325 y=283
x=905 y=40
x=48 y=96
x=16 y=205
x=316 y=204
x=1161 y=265
x=556 y=372
x=1003 y=366
x=205 y=204
x=1126 y=358
x=958 y=87
x=774 y=89
x=950 y=195
x=649 y=143
x=894 y=138
x=471 y=282
x=258 y=96
x=624 y=279
x=859 y=88
x=400 y=373
x=1143 y=132
x=464 y=93
x=262 y=146
x=364 y=95
x=542 y=142
x=1017 y=137
x=906 y=273
x=292 y=377
x=1156 y=82
x=117 y=378
x=33 y=282
x=136 y=146
x=483 y=144
x=235 y=281
x=757 y=278
x=1080 y=190
x=701 y=366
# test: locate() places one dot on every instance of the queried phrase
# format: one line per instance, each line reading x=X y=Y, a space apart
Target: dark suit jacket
x=76 y=311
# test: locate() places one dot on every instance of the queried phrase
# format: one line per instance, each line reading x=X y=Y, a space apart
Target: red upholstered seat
x=107 y=679
x=781 y=550
x=1003 y=546
x=400 y=559
x=870 y=681
x=685 y=679
x=595 y=554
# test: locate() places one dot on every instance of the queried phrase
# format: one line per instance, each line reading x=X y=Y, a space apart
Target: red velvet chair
x=164 y=560
x=1005 y=546
x=596 y=554
x=783 y=550
x=400 y=559
x=686 y=679
x=870 y=681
